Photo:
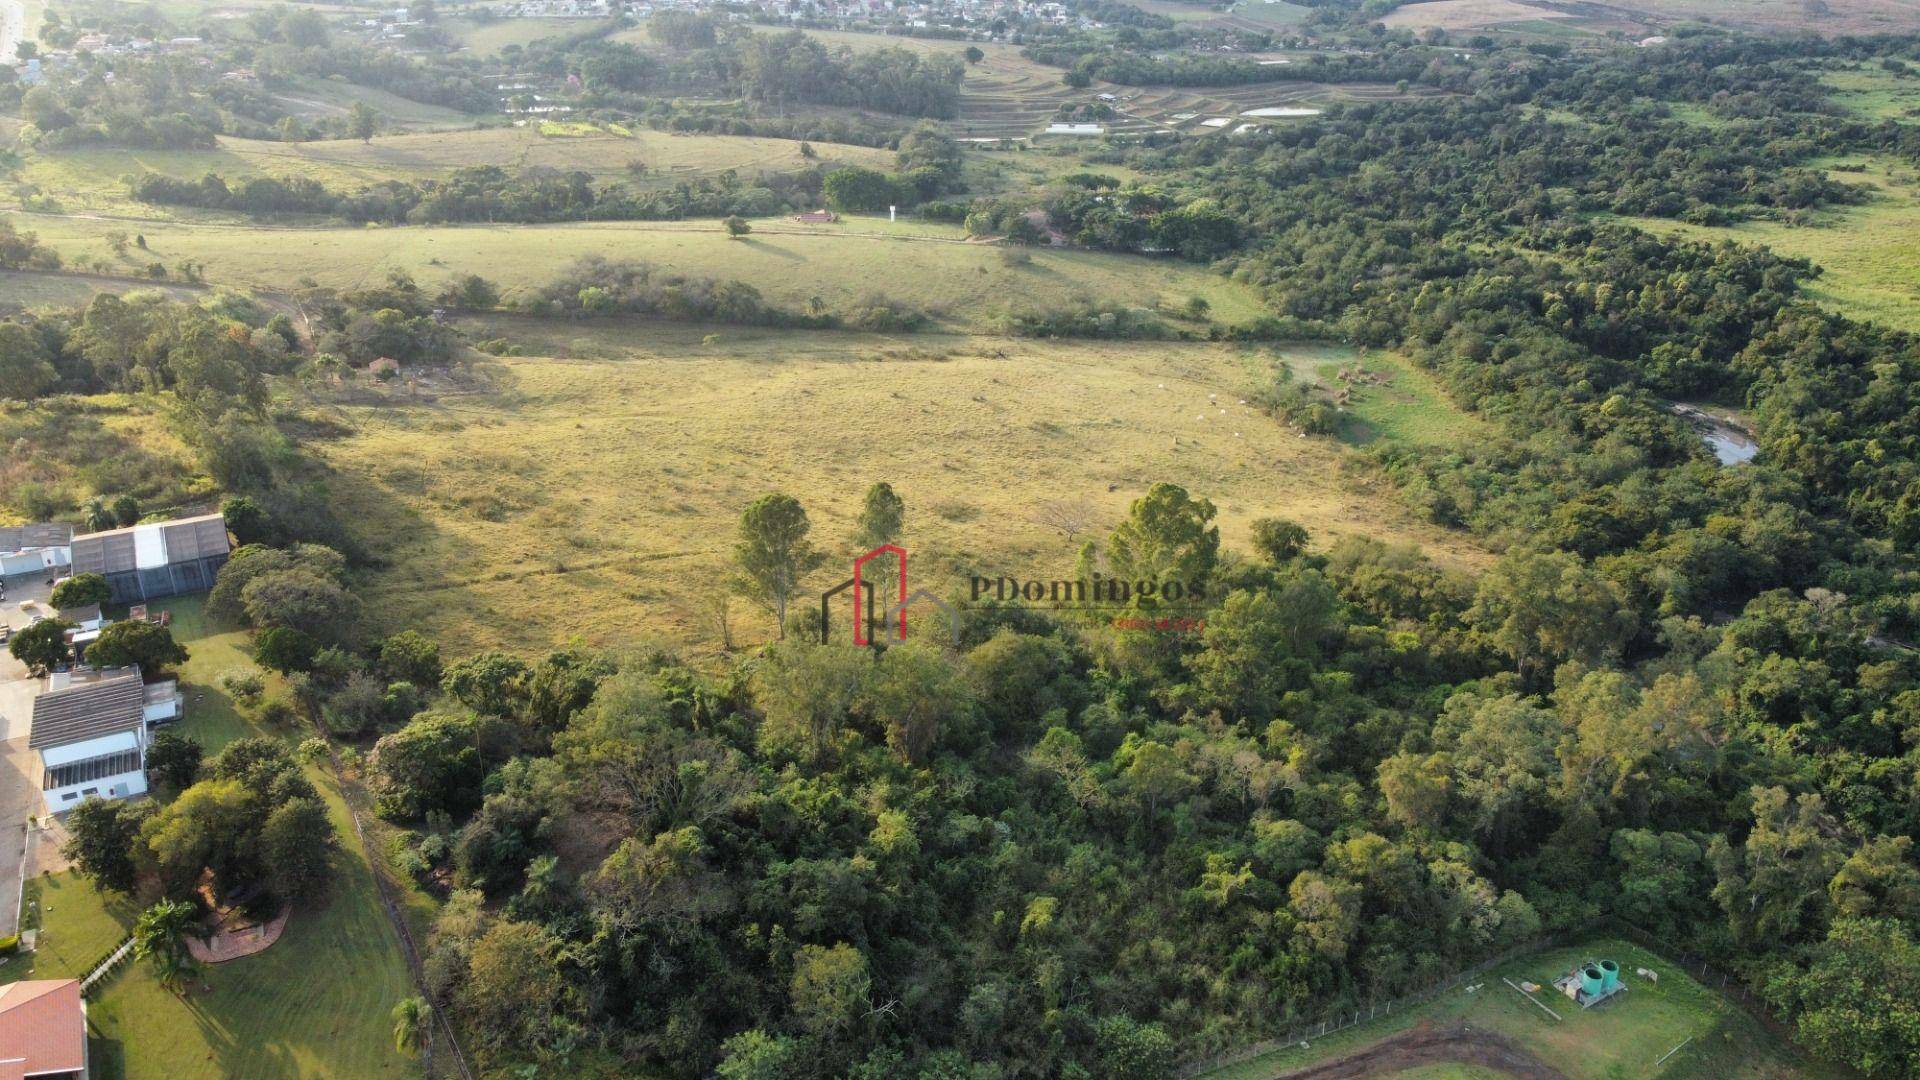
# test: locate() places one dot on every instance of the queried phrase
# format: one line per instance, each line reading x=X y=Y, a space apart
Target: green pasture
x=1867 y=253
x=1621 y=1038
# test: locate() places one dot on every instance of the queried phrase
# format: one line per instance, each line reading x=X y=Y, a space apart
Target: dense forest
x=491 y=194
x=1680 y=698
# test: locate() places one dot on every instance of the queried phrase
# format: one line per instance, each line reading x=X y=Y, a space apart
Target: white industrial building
x=163 y=558
x=91 y=730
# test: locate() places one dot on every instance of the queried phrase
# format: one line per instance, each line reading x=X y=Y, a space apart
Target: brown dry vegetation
x=1467 y=14
x=595 y=499
x=1820 y=16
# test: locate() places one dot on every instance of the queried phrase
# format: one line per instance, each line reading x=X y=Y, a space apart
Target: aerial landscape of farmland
x=960 y=539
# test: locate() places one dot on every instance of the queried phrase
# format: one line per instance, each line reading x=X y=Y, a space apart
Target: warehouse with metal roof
x=163 y=558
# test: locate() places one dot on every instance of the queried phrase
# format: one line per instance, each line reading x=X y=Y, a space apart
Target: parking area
x=19 y=779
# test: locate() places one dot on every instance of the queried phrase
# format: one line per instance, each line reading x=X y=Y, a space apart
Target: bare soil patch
x=1427 y=1044
x=234 y=942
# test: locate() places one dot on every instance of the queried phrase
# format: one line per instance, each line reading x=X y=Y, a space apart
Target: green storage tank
x=1609 y=976
x=1591 y=980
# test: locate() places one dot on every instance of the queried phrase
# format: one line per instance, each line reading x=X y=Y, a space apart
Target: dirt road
x=13 y=27
x=1430 y=1045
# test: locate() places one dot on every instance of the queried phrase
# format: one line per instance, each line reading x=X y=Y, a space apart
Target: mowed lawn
x=78 y=925
x=594 y=494
x=316 y=1004
x=94 y=178
x=968 y=285
x=1868 y=252
x=1622 y=1038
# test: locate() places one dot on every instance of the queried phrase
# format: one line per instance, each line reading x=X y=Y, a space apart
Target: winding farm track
x=1425 y=1044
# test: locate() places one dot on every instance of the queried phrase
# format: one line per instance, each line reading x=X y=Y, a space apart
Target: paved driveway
x=19 y=776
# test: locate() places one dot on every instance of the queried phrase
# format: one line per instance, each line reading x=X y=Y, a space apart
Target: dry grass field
x=27 y=289
x=967 y=285
x=591 y=493
x=317 y=99
x=1823 y=16
x=1467 y=14
x=92 y=179
x=1572 y=19
x=488 y=38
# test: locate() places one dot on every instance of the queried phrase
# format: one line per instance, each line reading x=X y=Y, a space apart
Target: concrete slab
x=16 y=701
x=19 y=589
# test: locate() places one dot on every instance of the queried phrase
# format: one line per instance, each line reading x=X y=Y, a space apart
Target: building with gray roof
x=163 y=558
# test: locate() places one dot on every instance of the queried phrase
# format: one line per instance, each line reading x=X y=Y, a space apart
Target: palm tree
x=410 y=1024
x=99 y=517
x=331 y=367
x=160 y=937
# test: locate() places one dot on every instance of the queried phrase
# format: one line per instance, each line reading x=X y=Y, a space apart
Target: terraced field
x=1020 y=103
x=1189 y=110
x=1011 y=101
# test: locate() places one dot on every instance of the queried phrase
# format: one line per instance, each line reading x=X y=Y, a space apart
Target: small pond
x=1730 y=442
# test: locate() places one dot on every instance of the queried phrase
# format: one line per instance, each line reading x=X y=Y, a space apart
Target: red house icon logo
x=872 y=626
